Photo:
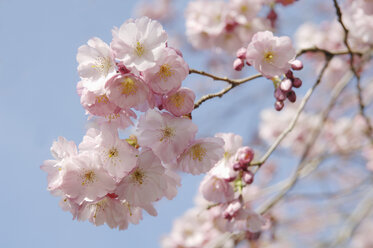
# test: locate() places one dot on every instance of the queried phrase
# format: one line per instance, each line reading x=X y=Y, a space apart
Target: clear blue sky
x=38 y=103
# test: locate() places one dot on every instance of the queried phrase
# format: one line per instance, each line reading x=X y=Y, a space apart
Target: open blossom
x=113 y=212
x=85 y=179
x=138 y=43
x=215 y=189
x=165 y=134
x=201 y=155
x=146 y=183
x=269 y=54
x=117 y=156
x=166 y=76
x=96 y=64
x=180 y=103
x=127 y=90
x=245 y=220
x=61 y=150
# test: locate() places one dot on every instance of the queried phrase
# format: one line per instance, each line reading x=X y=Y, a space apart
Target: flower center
x=198 y=152
x=88 y=177
x=167 y=133
x=244 y=8
x=139 y=49
x=129 y=87
x=138 y=176
x=102 y=99
x=113 y=152
x=177 y=100
x=103 y=65
x=268 y=56
x=165 y=72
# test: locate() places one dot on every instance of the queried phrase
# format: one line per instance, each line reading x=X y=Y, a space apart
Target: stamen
x=129 y=87
x=113 y=152
x=139 y=50
x=268 y=56
x=103 y=65
x=167 y=133
x=165 y=72
x=198 y=152
x=88 y=177
x=138 y=176
x=177 y=100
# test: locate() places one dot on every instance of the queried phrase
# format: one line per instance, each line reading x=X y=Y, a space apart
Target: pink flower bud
x=297 y=65
x=244 y=155
x=279 y=94
x=237 y=167
x=248 y=177
x=232 y=209
x=286 y=85
x=297 y=83
x=272 y=17
x=230 y=25
x=279 y=105
x=292 y=96
x=289 y=74
x=238 y=64
x=241 y=53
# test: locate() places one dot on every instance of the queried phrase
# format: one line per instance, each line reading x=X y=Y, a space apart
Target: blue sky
x=38 y=103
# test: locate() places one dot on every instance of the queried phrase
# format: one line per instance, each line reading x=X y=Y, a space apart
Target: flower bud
x=244 y=155
x=241 y=53
x=297 y=65
x=292 y=96
x=279 y=94
x=286 y=85
x=289 y=74
x=238 y=64
x=248 y=177
x=279 y=105
x=297 y=82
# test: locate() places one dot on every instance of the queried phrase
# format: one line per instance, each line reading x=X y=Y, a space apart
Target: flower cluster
x=110 y=179
x=274 y=58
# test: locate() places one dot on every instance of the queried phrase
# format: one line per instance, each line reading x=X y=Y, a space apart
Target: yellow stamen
x=167 y=133
x=102 y=99
x=165 y=72
x=244 y=9
x=103 y=65
x=268 y=56
x=129 y=87
x=177 y=100
x=113 y=152
x=88 y=177
x=138 y=176
x=139 y=50
x=198 y=152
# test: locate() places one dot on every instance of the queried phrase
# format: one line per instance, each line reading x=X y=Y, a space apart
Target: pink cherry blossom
x=117 y=156
x=168 y=73
x=146 y=183
x=127 y=90
x=180 y=103
x=166 y=135
x=201 y=155
x=138 y=43
x=215 y=189
x=61 y=150
x=269 y=54
x=96 y=64
x=85 y=179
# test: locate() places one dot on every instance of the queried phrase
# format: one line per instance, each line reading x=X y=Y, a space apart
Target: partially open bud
x=279 y=105
x=241 y=53
x=245 y=155
x=286 y=85
x=279 y=94
x=248 y=177
x=297 y=65
x=238 y=64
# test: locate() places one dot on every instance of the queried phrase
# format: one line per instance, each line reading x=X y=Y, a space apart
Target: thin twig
x=296 y=117
x=354 y=70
